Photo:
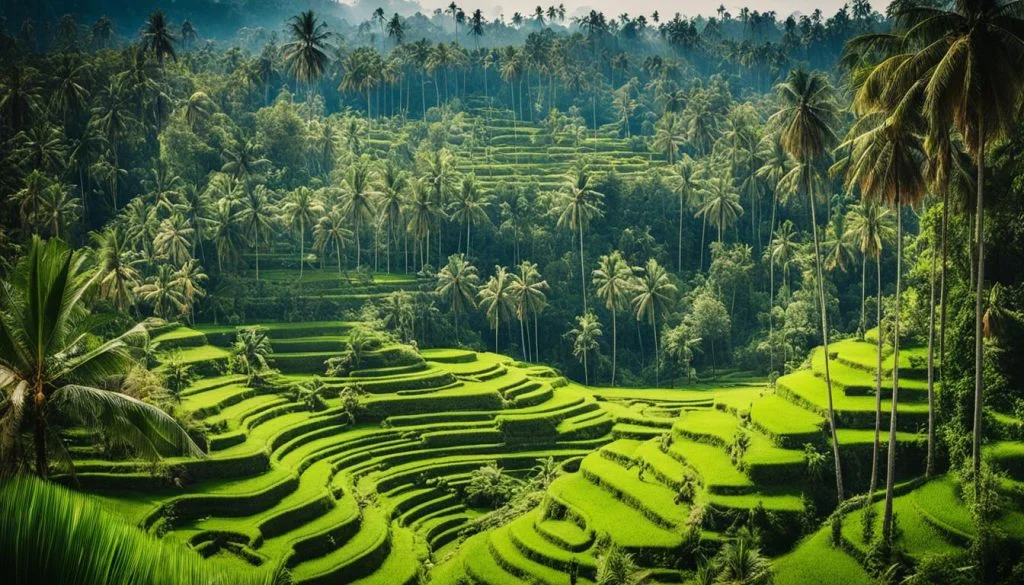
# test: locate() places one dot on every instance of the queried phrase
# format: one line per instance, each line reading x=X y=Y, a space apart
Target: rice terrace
x=402 y=294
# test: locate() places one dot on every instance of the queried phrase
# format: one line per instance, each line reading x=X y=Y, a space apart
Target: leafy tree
x=578 y=205
x=614 y=281
x=258 y=218
x=682 y=177
x=157 y=37
x=301 y=209
x=617 y=567
x=457 y=284
x=528 y=290
x=496 y=299
x=251 y=351
x=489 y=485
x=162 y=293
x=805 y=121
x=584 y=339
x=305 y=55
x=654 y=293
x=330 y=233
x=47 y=381
x=470 y=206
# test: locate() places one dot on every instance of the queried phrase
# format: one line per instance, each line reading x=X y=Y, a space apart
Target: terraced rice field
x=374 y=501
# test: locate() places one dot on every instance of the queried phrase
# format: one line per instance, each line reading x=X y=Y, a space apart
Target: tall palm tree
x=189 y=279
x=886 y=162
x=157 y=37
x=721 y=204
x=496 y=299
x=614 y=281
x=781 y=250
x=457 y=284
x=300 y=210
x=359 y=200
x=776 y=163
x=48 y=380
x=683 y=179
x=584 y=339
x=245 y=163
x=805 y=123
x=424 y=213
x=258 y=219
x=330 y=233
x=305 y=55
x=959 y=58
x=870 y=228
x=654 y=294
x=162 y=293
x=470 y=205
x=528 y=292
x=227 y=232
x=579 y=204
x=393 y=185
x=174 y=239
x=118 y=275
x=669 y=136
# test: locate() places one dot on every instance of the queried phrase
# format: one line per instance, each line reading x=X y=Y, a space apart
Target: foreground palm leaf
x=53 y=368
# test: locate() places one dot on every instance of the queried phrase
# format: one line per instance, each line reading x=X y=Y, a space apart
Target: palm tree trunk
x=942 y=287
x=522 y=338
x=39 y=433
x=586 y=376
x=302 y=247
x=583 y=277
x=979 y=347
x=878 y=383
x=657 y=365
x=890 y=478
x=359 y=256
x=257 y=261
x=703 y=231
x=824 y=341
x=679 y=259
x=614 y=346
x=929 y=468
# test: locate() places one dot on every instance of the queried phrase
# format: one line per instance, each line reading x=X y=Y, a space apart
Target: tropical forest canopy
x=745 y=282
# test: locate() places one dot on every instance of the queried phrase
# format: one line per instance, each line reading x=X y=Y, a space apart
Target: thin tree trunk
x=657 y=365
x=824 y=339
x=583 y=278
x=614 y=346
x=39 y=435
x=929 y=468
x=536 y=346
x=979 y=346
x=878 y=384
x=679 y=259
x=890 y=479
x=863 y=292
x=302 y=247
x=522 y=339
x=942 y=288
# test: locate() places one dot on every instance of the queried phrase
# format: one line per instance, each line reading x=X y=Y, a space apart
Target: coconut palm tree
x=59 y=209
x=49 y=380
x=617 y=567
x=424 y=213
x=157 y=37
x=300 y=210
x=245 y=163
x=721 y=204
x=654 y=294
x=457 y=284
x=174 y=239
x=227 y=232
x=330 y=233
x=579 y=204
x=886 y=162
x=870 y=228
x=805 y=123
x=958 y=57
x=359 y=198
x=189 y=279
x=118 y=275
x=251 y=351
x=496 y=299
x=584 y=339
x=669 y=136
x=305 y=55
x=776 y=164
x=258 y=219
x=528 y=293
x=470 y=205
x=614 y=281
x=393 y=184
x=162 y=293
x=683 y=179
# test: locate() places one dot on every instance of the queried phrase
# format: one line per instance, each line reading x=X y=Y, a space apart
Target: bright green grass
x=815 y=561
x=176 y=333
x=602 y=512
x=202 y=353
x=780 y=417
x=708 y=426
x=917 y=536
x=711 y=462
x=812 y=388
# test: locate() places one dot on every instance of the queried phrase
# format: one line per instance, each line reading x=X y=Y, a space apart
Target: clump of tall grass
x=50 y=534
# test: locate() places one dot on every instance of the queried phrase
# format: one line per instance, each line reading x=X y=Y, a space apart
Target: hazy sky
x=635 y=7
